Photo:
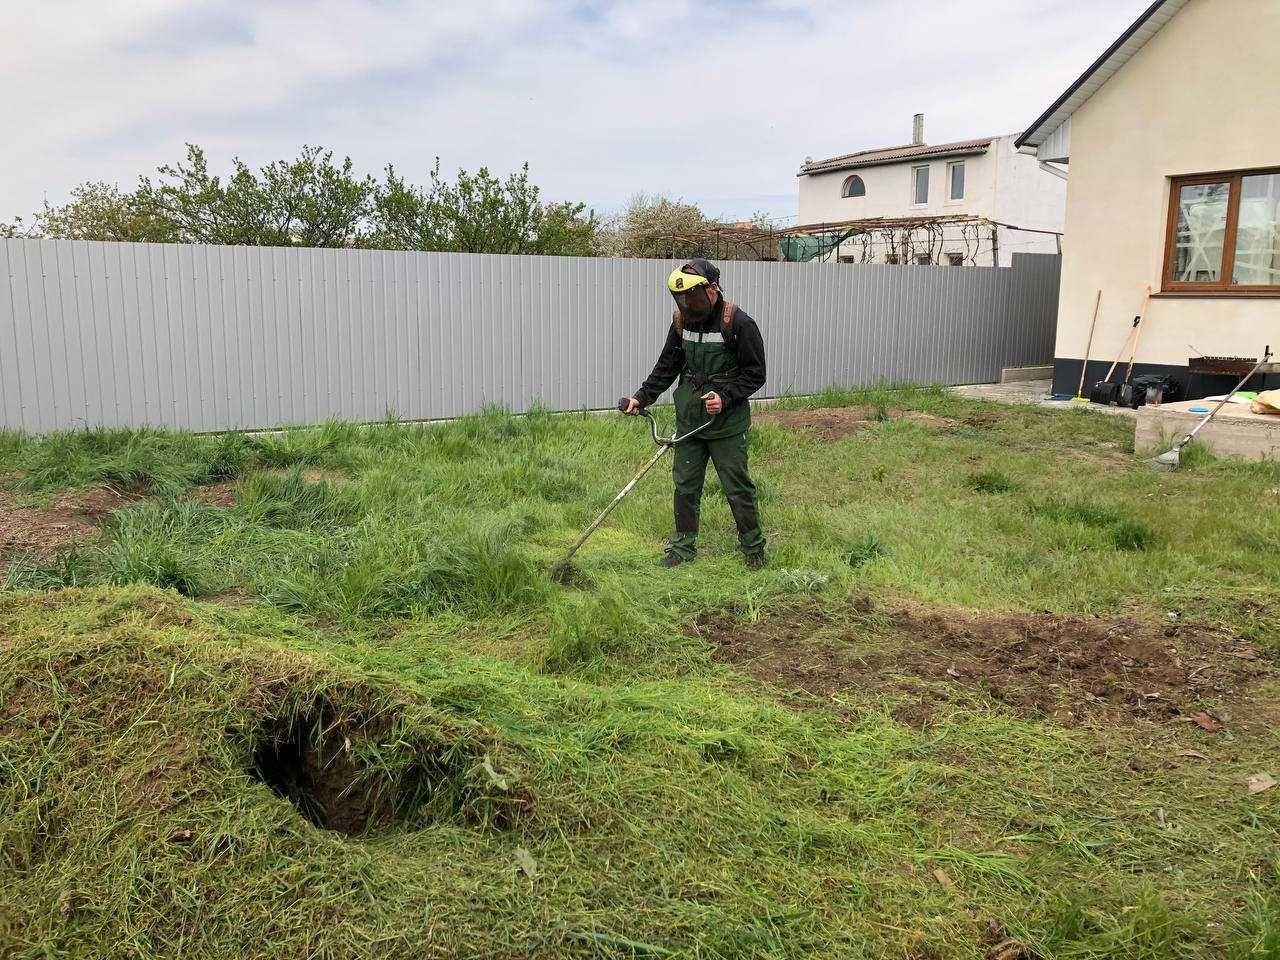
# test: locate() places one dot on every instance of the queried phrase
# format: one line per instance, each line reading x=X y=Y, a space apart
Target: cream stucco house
x=1172 y=144
x=950 y=204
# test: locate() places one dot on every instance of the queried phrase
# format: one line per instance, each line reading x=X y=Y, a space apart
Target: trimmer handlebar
x=671 y=441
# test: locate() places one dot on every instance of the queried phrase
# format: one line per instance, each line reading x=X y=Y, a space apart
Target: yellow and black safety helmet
x=680 y=282
x=696 y=273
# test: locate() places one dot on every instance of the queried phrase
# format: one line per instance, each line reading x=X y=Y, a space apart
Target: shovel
x=563 y=570
x=1170 y=459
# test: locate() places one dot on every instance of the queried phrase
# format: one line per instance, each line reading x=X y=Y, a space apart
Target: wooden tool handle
x=1146 y=298
x=1089 y=346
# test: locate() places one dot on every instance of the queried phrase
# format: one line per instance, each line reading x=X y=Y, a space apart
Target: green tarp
x=803 y=247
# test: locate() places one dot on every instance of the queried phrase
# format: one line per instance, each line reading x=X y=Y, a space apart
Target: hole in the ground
x=331 y=772
x=358 y=773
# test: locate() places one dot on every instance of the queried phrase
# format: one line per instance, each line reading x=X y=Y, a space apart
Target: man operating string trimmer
x=717 y=352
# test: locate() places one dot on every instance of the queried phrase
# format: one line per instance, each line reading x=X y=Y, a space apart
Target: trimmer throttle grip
x=623 y=403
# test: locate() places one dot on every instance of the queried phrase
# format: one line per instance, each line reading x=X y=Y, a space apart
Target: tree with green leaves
x=315 y=201
x=96 y=211
x=306 y=202
x=478 y=213
x=658 y=227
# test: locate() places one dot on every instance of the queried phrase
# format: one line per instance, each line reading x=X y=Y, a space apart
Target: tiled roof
x=868 y=158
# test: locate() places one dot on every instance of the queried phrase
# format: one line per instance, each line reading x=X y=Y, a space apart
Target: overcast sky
x=716 y=102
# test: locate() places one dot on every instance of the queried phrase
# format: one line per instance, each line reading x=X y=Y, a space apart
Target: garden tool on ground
x=1170 y=459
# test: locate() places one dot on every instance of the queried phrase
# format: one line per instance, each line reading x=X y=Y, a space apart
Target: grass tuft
x=863 y=550
x=1132 y=535
x=1063 y=510
x=992 y=480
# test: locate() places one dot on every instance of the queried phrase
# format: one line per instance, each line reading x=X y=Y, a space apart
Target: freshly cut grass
x=564 y=772
x=671 y=812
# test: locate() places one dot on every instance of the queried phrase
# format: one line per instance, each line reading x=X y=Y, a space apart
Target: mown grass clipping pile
x=1001 y=692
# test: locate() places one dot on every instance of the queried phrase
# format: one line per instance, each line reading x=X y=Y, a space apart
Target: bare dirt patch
x=316 y=474
x=76 y=515
x=1107 y=454
x=95 y=503
x=231 y=597
x=834 y=423
x=1068 y=668
x=986 y=418
x=43 y=532
x=221 y=494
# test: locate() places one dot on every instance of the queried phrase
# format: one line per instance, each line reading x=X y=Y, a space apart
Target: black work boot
x=755 y=560
x=672 y=559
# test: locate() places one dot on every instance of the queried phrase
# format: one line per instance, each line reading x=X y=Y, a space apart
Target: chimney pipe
x=917 y=130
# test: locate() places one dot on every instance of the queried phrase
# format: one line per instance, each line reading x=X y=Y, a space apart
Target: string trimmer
x=563 y=570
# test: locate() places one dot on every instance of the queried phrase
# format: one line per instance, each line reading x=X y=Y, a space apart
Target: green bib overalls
x=708 y=359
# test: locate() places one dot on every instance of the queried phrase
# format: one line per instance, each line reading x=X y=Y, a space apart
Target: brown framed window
x=1224 y=233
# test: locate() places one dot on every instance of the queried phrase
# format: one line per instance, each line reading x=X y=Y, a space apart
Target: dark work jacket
x=705 y=358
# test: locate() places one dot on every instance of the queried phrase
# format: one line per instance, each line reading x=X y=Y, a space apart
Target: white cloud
x=716 y=102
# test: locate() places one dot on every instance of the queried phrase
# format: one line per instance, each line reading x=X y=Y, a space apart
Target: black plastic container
x=1105 y=392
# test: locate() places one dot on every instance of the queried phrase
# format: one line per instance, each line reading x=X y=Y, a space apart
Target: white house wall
x=1027 y=195
x=889 y=192
x=1200 y=97
x=1000 y=184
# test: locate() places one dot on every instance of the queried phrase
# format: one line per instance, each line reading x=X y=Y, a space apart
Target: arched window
x=854 y=187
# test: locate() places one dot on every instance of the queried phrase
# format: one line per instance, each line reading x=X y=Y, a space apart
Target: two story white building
x=950 y=204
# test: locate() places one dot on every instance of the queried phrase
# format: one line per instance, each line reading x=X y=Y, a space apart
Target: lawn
x=1002 y=692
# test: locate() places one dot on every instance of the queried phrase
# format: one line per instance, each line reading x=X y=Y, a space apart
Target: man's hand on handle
x=711 y=400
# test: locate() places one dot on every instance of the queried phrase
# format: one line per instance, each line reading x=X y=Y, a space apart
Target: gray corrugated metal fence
x=215 y=338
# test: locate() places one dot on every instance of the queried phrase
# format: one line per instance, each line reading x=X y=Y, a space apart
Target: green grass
x=585 y=780
x=993 y=480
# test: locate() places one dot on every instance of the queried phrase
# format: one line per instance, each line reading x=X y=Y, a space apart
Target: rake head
x=1168 y=460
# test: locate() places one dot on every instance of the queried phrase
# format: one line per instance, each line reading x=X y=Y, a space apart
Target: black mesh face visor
x=693 y=304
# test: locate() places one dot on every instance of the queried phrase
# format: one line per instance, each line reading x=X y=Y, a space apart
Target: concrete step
x=1016 y=374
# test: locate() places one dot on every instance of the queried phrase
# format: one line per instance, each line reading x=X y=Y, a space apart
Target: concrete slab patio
x=1234 y=432
x=1032 y=391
